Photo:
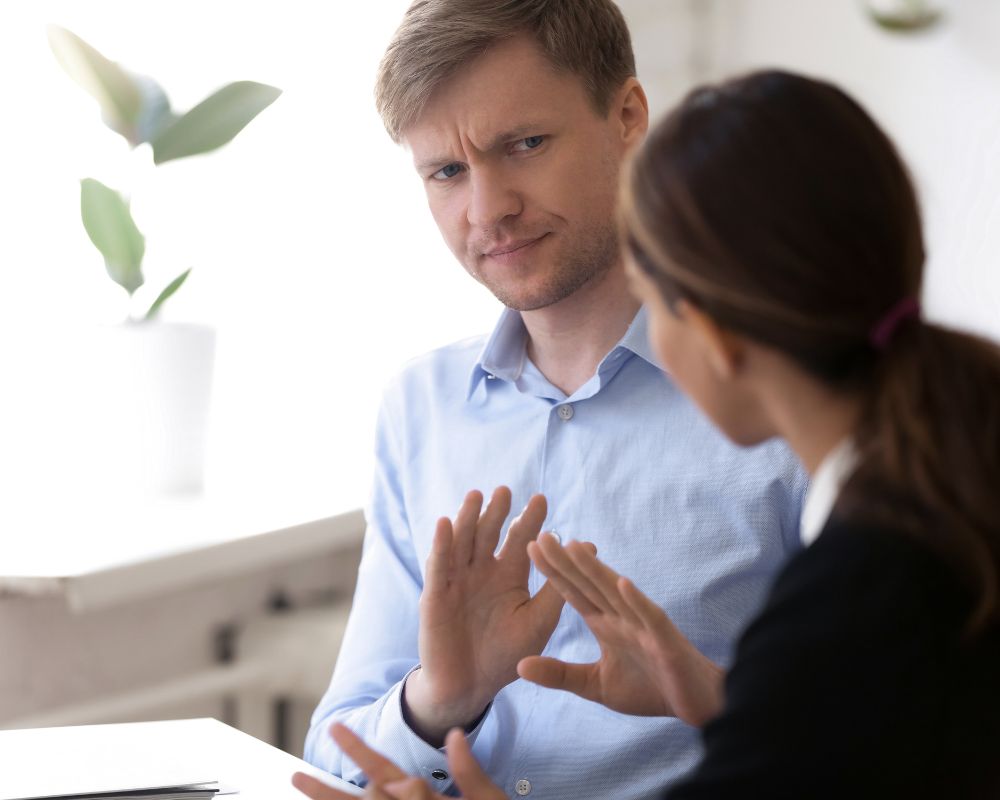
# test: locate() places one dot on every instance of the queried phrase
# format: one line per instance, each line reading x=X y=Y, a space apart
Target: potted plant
x=158 y=375
x=904 y=16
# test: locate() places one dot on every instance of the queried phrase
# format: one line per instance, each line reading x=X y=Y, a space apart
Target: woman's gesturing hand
x=386 y=781
x=647 y=666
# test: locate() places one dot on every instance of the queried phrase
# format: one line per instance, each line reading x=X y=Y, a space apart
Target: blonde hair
x=588 y=38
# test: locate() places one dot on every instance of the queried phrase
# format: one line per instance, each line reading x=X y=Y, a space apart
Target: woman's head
x=772 y=210
x=776 y=205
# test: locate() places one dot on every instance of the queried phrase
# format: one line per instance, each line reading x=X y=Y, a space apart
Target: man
x=519 y=114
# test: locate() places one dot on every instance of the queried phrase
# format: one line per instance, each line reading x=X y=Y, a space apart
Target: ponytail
x=930 y=430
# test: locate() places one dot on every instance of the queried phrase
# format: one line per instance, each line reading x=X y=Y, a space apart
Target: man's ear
x=631 y=108
x=724 y=349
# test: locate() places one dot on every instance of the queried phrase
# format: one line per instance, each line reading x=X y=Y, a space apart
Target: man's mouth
x=508 y=248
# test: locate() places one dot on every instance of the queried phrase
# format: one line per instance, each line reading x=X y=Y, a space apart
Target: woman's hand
x=386 y=781
x=647 y=666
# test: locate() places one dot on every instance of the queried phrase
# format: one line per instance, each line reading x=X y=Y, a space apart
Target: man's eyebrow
x=514 y=133
x=433 y=162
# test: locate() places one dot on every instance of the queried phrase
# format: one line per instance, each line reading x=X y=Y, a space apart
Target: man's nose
x=492 y=200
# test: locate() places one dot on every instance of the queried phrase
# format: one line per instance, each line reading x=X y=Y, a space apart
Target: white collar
x=825 y=486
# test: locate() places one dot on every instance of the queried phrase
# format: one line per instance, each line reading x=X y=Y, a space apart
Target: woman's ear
x=723 y=349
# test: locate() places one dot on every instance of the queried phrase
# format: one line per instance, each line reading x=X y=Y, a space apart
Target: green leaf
x=110 y=226
x=120 y=99
x=214 y=121
x=154 y=112
x=172 y=287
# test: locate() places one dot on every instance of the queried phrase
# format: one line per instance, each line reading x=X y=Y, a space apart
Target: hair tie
x=883 y=330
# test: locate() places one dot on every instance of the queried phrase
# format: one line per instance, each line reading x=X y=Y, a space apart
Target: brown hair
x=588 y=38
x=776 y=204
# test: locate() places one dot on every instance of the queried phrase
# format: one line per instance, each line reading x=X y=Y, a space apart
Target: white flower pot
x=156 y=385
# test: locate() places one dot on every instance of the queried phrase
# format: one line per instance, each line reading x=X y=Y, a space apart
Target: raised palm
x=647 y=666
x=477 y=617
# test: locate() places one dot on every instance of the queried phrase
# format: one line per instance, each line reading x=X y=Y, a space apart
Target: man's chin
x=533 y=298
x=525 y=301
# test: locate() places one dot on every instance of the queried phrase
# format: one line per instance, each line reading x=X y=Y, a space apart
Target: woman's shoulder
x=869 y=560
x=861 y=655
x=883 y=588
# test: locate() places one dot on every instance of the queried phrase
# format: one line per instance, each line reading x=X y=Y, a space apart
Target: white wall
x=937 y=93
x=315 y=257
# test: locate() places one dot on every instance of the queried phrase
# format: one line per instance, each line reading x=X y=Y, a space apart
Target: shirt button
x=565 y=413
x=523 y=787
x=439 y=775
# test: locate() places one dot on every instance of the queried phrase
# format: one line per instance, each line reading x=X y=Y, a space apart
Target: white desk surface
x=39 y=758
x=99 y=551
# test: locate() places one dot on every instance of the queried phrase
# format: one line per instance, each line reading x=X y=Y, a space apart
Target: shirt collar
x=825 y=486
x=504 y=353
x=636 y=338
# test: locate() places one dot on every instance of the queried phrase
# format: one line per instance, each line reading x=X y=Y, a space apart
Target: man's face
x=521 y=175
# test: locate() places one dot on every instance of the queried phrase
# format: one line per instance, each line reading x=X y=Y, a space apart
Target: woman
x=773 y=233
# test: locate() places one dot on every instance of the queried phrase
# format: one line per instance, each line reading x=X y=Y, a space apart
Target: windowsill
x=97 y=551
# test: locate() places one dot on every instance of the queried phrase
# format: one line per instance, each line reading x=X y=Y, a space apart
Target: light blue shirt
x=626 y=462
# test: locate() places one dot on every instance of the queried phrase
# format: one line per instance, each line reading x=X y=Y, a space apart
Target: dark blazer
x=855 y=681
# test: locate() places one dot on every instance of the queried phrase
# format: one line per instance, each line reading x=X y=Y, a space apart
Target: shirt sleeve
x=379 y=648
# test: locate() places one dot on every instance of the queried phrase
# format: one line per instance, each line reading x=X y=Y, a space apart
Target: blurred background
x=319 y=270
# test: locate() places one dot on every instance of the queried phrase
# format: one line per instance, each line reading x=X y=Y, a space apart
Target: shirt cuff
x=431 y=762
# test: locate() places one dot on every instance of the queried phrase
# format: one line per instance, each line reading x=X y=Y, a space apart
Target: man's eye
x=529 y=143
x=447 y=171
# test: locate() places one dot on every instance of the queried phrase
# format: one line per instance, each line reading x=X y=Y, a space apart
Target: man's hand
x=647 y=666
x=477 y=619
x=386 y=781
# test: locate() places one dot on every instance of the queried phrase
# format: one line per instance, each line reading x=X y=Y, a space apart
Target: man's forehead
x=511 y=88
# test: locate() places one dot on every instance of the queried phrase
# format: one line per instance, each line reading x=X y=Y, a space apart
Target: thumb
x=472 y=782
x=555 y=674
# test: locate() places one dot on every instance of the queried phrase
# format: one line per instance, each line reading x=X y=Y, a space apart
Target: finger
x=375 y=792
x=464 y=536
x=652 y=616
x=555 y=674
x=439 y=561
x=491 y=522
x=377 y=767
x=562 y=565
x=468 y=775
x=410 y=789
x=523 y=529
x=316 y=789
x=602 y=577
x=556 y=580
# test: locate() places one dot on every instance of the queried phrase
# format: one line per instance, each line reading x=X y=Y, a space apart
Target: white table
x=40 y=757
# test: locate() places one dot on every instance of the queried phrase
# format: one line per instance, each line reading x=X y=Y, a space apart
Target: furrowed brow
x=514 y=133
x=434 y=162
